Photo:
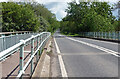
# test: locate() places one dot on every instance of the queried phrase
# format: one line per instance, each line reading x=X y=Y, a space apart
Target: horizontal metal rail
x=40 y=38
x=6 y=41
x=29 y=61
x=5 y=33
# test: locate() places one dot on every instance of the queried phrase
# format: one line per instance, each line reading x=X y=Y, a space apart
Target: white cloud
x=3 y=0
x=57 y=8
x=48 y=1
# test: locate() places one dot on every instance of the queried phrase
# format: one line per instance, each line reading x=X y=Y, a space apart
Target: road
x=87 y=58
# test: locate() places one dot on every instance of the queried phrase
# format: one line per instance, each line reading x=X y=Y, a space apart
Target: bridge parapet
x=40 y=39
x=9 y=39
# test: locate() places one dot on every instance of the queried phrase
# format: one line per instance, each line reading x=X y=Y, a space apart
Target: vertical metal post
x=32 y=51
x=112 y=35
x=40 y=43
x=3 y=42
x=102 y=35
x=97 y=34
x=21 y=55
x=11 y=42
x=24 y=35
x=16 y=38
x=105 y=35
x=37 y=48
x=109 y=35
x=119 y=35
x=94 y=34
x=115 y=35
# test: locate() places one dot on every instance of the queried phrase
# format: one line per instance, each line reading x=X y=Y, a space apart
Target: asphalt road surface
x=87 y=58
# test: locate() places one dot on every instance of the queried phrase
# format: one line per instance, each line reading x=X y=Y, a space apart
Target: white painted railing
x=104 y=35
x=41 y=41
x=9 y=39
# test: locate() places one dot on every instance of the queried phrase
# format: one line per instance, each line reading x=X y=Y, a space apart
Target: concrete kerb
x=43 y=67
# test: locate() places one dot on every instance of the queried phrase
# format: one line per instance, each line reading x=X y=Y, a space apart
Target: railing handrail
x=3 y=53
x=3 y=33
x=43 y=38
x=103 y=35
x=27 y=63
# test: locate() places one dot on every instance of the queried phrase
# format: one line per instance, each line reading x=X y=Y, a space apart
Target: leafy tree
x=88 y=17
x=27 y=17
x=18 y=17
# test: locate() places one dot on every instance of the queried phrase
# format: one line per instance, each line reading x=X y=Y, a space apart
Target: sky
x=58 y=6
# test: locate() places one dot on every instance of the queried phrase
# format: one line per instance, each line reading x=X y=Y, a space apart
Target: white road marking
x=95 y=46
x=102 y=41
x=62 y=66
x=97 y=40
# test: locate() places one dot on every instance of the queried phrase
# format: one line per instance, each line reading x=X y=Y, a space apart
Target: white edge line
x=95 y=46
x=62 y=66
x=103 y=41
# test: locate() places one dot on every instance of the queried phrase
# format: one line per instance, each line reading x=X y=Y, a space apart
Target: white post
x=21 y=56
x=32 y=51
x=37 y=52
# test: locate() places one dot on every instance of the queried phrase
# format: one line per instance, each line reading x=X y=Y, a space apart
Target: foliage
x=88 y=17
x=27 y=17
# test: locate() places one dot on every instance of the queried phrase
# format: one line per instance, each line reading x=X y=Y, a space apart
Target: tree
x=22 y=16
x=88 y=17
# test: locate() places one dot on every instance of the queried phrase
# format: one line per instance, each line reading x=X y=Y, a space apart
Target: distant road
x=83 y=57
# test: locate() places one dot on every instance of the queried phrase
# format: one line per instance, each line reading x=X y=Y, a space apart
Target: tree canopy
x=21 y=16
x=88 y=17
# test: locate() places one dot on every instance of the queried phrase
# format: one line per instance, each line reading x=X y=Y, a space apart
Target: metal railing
x=9 y=39
x=103 y=35
x=41 y=41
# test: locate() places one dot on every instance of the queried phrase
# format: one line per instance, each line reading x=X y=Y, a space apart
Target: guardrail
x=9 y=39
x=103 y=35
x=41 y=41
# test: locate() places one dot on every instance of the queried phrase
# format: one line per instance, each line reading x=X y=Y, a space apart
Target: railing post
x=3 y=37
x=40 y=43
x=37 y=52
x=108 y=35
x=114 y=35
x=32 y=51
x=105 y=35
x=16 y=37
x=94 y=34
x=119 y=36
x=11 y=42
x=21 y=56
x=102 y=35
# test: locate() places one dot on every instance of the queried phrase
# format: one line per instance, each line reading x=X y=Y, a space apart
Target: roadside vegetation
x=89 y=17
x=27 y=17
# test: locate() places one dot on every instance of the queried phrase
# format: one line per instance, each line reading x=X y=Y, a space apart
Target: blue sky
x=58 y=6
